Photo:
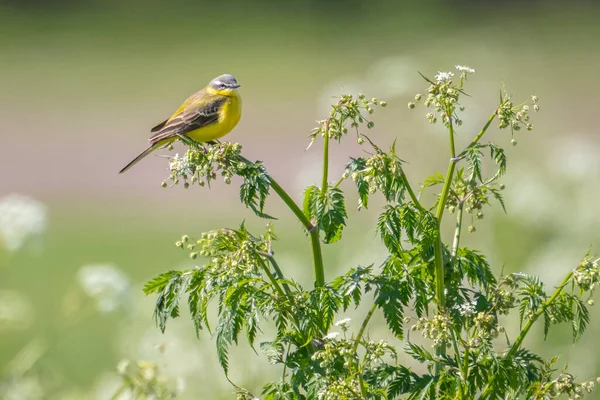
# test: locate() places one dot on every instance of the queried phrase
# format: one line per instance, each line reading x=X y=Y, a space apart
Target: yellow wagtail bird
x=208 y=114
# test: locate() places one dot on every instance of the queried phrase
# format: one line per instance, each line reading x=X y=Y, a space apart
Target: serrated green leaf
x=254 y=189
x=158 y=284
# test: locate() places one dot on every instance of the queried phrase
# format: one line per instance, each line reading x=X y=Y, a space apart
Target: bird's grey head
x=224 y=82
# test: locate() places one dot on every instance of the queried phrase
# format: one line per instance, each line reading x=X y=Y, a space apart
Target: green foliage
x=201 y=164
x=328 y=209
x=348 y=111
x=449 y=295
x=381 y=172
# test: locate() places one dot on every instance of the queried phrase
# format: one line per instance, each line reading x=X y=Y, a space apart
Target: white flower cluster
x=331 y=335
x=443 y=76
x=466 y=309
x=343 y=322
x=21 y=218
x=181 y=165
x=106 y=284
x=464 y=68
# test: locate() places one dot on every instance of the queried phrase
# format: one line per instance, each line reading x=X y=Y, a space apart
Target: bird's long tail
x=140 y=156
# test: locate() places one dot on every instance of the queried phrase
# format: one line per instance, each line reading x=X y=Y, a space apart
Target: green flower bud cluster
x=587 y=274
x=437 y=329
x=443 y=97
x=336 y=353
x=486 y=328
x=340 y=362
x=229 y=249
x=504 y=296
x=376 y=172
x=348 y=112
x=202 y=165
x=565 y=385
x=473 y=196
x=514 y=116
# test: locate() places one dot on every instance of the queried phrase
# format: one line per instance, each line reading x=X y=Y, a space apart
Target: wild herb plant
x=428 y=285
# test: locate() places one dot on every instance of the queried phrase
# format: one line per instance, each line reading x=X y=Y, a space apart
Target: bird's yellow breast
x=229 y=116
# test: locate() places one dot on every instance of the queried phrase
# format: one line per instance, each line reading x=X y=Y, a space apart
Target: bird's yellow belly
x=229 y=117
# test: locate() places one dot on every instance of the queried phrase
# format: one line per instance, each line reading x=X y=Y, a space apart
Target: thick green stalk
x=312 y=230
x=315 y=242
x=438 y=251
x=410 y=191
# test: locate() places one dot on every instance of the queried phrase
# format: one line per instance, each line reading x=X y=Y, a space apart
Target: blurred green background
x=81 y=83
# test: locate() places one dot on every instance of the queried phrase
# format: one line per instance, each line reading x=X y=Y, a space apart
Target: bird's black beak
x=236 y=85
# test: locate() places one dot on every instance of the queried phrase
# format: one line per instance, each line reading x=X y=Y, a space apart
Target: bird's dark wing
x=159 y=126
x=191 y=118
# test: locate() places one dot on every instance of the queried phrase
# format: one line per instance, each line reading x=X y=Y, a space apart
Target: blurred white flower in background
x=341 y=85
x=575 y=158
x=19 y=378
x=175 y=351
x=393 y=77
x=15 y=311
x=106 y=386
x=106 y=284
x=21 y=218
x=24 y=388
x=531 y=197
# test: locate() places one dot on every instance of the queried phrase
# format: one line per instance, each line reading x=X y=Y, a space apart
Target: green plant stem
x=458 y=362
x=457 y=232
x=519 y=341
x=438 y=251
x=410 y=191
x=271 y=278
x=277 y=270
x=315 y=243
x=287 y=353
x=440 y=285
x=312 y=230
x=359 y=336
x=535 y=316
x=363 y=389
x=481 y=132
x=324 y=181
x=465 y=370
x=363 y=327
